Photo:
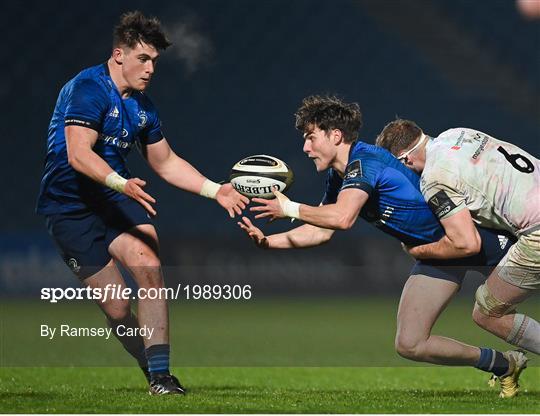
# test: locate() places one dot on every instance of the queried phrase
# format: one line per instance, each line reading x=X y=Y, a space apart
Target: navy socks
x=493 y=362
x=158 y=359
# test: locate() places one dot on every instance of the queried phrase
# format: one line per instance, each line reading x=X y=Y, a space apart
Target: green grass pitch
x=270 y=356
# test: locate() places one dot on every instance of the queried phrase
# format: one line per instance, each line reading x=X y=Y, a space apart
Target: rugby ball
x=256 y=176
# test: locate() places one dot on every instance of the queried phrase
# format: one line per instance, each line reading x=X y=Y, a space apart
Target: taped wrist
x=291 y=209
x=116 y=182
x=209 y=189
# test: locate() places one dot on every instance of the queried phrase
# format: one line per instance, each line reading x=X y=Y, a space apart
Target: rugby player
x=367 y=181
x=468 y=178
x=96 y=212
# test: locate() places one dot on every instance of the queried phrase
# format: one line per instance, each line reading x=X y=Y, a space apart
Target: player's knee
x=409 y=347
x=488 y=305
x=489 y=323
x=145 y=267
x=143 y=257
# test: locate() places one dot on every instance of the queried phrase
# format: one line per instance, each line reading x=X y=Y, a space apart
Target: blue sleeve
x=152 y=132
x=362 y=174
x=333 y=185
x=86 y=104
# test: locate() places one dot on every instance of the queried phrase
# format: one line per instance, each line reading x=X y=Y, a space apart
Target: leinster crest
x=143 y=118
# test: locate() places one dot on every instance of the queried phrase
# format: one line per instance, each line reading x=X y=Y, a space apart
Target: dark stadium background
x=229 y=89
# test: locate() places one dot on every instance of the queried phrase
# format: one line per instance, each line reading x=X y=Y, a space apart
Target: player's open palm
x=134 y=189
x=231 y=200
x=253 y=232
x=270 y=208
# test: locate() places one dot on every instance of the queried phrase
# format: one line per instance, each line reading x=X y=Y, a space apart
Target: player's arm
x=461 y=239
x=306 y=235
x=82 y=158
x=180 y=173
x=338 y=216
x=442 y=193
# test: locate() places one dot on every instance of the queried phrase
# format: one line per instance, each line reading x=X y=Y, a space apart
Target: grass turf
x=264 y=390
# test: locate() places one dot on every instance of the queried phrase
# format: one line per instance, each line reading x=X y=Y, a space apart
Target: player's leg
x=516 y=278
x=515 y=328
x=493 y=301
x=422 y=301
x=118 y=312
x=137 y=250
x=80 y=239
x=512 y=282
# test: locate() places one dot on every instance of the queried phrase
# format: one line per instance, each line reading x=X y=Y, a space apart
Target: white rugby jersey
x=497 y=181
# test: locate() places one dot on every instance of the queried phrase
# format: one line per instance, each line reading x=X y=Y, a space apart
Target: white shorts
x=521 y=265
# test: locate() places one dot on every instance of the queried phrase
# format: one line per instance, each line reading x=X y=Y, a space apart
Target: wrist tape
x=116 y=182
x=209 y=189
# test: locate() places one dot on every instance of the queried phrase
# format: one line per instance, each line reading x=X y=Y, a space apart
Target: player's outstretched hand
x=133 y=189
x=231 y=200
x=253 y=232
x=270 y=208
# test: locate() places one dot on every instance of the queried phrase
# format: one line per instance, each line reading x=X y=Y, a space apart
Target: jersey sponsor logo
x=480 y=148
x=459 y=141
x=353 y=170
x=441 y=204
x=114 y=112
x=503 y=241
x=444 y=211
x=115 y=141
x=143 y=119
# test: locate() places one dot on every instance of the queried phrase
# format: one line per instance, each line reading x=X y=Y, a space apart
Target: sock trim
x=493 y=355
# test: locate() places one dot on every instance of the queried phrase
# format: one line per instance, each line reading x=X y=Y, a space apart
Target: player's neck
x=342 y=158
x=121 y=84
x=421 y=159
x=421 y=163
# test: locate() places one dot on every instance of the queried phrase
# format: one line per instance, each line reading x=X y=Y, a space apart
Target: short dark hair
x=134 y=27
x=328 y=113
x=398 y=135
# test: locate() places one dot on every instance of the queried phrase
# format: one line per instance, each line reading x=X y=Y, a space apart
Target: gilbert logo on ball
x=256 y=176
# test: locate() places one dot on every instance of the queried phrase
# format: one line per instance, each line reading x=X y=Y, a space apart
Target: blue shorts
x=495 y=244
x=83 y=237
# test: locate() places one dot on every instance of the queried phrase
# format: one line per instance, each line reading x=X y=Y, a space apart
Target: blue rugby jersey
x=395 y=204
x=92 y=100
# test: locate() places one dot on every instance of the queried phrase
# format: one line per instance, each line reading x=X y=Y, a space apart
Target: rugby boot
x=165 y=384
x=517 y=362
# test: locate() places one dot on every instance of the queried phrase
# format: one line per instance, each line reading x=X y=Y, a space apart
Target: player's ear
x=337 y=136
x=118 y=55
